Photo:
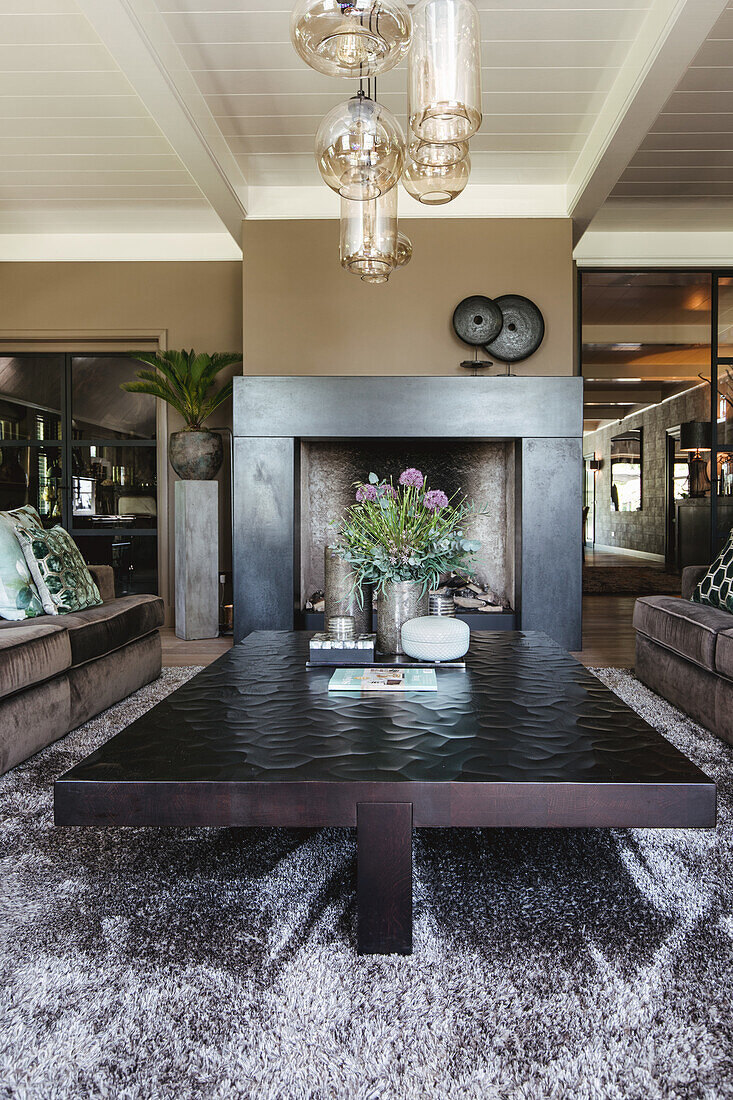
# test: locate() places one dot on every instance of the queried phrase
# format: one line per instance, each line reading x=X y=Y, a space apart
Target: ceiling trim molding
x=88 y=340
x=477 y=201
x=656 y=249
x=668 y=40
x=117 y=247
x=138 y=39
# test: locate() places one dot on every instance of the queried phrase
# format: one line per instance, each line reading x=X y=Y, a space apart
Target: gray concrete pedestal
x=197 y=559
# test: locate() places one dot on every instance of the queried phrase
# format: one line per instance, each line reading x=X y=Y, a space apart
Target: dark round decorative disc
x=477 y=320
x=522 y=331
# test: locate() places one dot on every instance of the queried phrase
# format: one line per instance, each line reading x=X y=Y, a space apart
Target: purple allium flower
x=435 y=500
x=412 y=477
x=388 y=491
x=366 y=492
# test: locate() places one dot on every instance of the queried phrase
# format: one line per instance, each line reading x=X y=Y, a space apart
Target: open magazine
x=383 y=679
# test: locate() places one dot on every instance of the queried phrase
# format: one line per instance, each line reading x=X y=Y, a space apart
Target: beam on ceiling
x=622 y=395
x=138 y=39
x=671 y=34
x=673 y=248
x=612 y=372
x=479 y=200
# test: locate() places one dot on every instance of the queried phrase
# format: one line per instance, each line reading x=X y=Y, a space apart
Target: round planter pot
x=398 y=602
x=196 y=456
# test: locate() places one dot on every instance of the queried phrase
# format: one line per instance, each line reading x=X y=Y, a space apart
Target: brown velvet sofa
x=684 y=652
x=58 y=671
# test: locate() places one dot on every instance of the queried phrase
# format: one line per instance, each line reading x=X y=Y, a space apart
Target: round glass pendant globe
x=435 y=154
x=360 y=38
x=360 y=149
x=375 y=279
x=444 y=72
x=403 y=251
x=435 y=186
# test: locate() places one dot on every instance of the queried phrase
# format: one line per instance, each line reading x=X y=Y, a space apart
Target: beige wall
x=200 y=304
x=197 y=304
x=304 y=315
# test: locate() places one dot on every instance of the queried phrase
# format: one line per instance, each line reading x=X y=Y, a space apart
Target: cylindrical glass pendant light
x=444 y=82
x=437 y=154
x=403 y=251
x=358 y=38
x=435 y=186
x=360 y=149
x=369 y=235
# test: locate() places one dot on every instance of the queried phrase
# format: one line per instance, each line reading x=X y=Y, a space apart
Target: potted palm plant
x=186 y=380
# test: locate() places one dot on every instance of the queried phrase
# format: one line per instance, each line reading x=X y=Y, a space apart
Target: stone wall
x=643 y=530
x=482 y=471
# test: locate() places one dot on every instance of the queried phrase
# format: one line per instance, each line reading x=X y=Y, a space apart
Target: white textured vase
x=435 y=638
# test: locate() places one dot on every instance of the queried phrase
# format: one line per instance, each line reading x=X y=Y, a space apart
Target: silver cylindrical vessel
x=441 y=604
x=342 y=597
x=400 y=601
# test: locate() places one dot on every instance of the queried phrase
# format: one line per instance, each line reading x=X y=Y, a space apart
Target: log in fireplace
x=515 y=443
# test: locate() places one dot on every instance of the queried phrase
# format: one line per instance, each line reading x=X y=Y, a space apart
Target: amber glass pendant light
x=368 y=239
x=437 y=154
x=360 y=149
x=444 y=72
x=435 y=186
x=361 y=38
x=403 y=251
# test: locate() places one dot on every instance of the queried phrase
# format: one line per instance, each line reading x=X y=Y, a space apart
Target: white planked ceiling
x=78 y=150
x=87 y=148
x=547 y=67
x=682 y=173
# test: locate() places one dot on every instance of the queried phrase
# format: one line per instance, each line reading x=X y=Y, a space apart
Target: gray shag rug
x=140 y=964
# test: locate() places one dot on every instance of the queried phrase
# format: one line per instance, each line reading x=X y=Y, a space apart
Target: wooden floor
x=591 y=556
x=608 y=637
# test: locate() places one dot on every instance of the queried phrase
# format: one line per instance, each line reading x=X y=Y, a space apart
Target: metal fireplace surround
x=542 y=416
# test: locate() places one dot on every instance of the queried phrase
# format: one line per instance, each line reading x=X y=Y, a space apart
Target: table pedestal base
x=384 y=878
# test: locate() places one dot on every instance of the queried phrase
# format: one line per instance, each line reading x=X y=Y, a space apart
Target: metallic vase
x=400 y=601
x=342 y=598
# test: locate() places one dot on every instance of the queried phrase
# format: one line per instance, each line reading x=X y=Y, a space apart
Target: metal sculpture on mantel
x=511 y=328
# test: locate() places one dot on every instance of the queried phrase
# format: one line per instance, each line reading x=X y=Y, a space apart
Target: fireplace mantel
x=542 y=415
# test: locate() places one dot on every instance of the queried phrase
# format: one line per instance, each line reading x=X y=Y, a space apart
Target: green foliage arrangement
x=408 y=533
x=185 y=380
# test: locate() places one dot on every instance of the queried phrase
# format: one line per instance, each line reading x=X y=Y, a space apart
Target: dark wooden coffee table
x=525 y=736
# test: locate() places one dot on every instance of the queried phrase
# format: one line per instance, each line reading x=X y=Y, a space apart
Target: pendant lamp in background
x=361 y=38
x=360 y=149
x=368 y=239
x=435 y=186
x=444 y=70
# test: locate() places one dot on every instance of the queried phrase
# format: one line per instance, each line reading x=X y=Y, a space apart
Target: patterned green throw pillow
x=60 y=572
x=19 y=597
x=716 y=587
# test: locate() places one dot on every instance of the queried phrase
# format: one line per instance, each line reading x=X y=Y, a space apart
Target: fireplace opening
x=483 y=471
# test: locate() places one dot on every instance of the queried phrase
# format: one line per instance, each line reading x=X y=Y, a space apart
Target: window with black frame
x=82 y=451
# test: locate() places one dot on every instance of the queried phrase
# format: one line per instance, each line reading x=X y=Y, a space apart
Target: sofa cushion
x=61 y=575
x=19 y=596
x=98 y=630
x=716 y=587
x=724 y=653
x=690 y=629
x=30 y=653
